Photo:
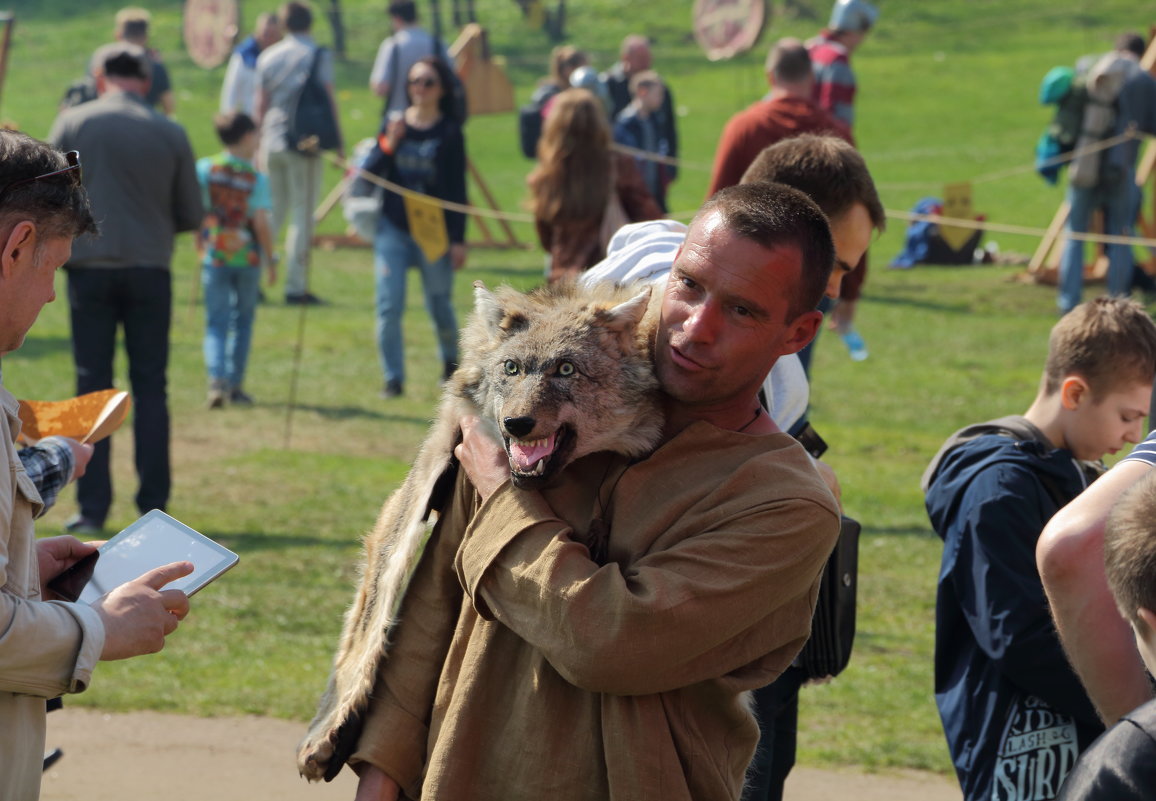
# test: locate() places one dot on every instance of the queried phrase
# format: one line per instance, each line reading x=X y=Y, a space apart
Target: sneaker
x=239 y=397
x=82 y=526
x=392 y=389
x=218 y=394
x=855 y=345
x=303 y=299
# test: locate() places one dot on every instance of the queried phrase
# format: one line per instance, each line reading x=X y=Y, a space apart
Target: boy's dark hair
x=1110 y=342
x=1130 y=549
x=773 y=215
x=56 y=203
x=404 y=10
x=296 y=17
x=788 y=61
x=232 y=126
x=827 y=169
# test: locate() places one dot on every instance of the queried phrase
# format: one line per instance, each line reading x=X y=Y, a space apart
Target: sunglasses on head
x=427 y=82
x=72 y=170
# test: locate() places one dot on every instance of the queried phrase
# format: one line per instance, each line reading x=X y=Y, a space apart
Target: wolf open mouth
x=533 y=462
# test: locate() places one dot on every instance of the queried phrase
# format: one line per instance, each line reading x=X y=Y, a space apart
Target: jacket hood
x=975 y=448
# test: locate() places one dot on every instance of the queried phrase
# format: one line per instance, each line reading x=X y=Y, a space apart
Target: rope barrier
x=987 y=225
x=958 y=222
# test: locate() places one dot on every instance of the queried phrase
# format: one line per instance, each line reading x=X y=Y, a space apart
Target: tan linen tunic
x=568 y=680
x=46 y=649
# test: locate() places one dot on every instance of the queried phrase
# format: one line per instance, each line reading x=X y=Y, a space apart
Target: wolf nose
x=518 y=426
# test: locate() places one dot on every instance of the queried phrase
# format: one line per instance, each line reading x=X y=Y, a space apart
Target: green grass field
x=947 y=93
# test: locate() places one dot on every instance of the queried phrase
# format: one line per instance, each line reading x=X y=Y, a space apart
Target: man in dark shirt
x=141 y=178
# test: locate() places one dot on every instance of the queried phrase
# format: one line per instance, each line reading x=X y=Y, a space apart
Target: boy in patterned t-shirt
x=234 y=243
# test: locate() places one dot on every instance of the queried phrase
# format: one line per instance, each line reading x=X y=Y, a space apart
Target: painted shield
x=725 y=28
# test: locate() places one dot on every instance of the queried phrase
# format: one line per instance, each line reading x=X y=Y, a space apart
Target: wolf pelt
x=556 y=374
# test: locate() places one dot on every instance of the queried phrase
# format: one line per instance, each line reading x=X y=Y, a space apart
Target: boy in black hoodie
x=1015 y=715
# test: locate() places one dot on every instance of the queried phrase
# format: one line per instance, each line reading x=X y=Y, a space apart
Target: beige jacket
x=551 y=676
x=46 y=648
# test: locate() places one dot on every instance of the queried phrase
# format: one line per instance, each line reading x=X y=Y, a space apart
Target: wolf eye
x=511 y=367
x=565 y=369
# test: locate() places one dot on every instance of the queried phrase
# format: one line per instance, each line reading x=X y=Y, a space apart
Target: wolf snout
x=518 y=426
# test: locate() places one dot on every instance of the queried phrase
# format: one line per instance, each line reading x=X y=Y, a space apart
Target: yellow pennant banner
x=427 y=226
x=957 y=204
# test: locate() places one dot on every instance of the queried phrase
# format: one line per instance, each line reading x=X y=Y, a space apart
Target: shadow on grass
x=252 y=541
x=922 y=532
x=930 y=305
x=341 y=412
x=40 y=347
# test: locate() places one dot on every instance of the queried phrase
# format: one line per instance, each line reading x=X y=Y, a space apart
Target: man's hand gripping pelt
x=554 y=375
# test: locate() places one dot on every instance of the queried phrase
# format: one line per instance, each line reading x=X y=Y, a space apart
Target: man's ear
x=802 y=330
x=1148 y=616
x=1074 y=391
x=17 y=246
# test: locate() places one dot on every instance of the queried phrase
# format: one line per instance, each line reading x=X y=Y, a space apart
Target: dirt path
x=150 y=755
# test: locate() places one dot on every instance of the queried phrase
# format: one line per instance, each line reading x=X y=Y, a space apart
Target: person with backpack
x=1014 y=712
x=564 y=60
x=1119 y=95
x=284 y=72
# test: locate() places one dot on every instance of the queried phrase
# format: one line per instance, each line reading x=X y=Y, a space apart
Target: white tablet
x=154 y=540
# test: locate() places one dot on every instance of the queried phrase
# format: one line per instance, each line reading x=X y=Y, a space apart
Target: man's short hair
x=122 y=60
x=788 y=61
x=644 y=78
x=231 y=126
x=57 y=204
x=1130 y=549
x=1110 y=342
x=404 y=10
x=825 y=168
x=296 y=17
x=773 y=215
x=1131 y=42
x=132 y=24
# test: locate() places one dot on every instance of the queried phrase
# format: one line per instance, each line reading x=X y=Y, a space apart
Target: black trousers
x=777 y=707
x=139 y=299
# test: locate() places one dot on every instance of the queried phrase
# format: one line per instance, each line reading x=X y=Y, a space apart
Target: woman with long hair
x=423 y=150
x=580 y=184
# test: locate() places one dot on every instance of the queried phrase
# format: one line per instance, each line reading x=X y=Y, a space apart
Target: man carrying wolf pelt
x=525 y=669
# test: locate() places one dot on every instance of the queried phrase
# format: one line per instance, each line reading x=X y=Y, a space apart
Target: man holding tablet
x=49 y=647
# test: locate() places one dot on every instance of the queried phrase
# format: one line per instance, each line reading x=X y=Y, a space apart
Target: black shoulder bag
x=312 y=127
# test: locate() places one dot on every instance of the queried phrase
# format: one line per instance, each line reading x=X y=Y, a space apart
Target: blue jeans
x=394 y=253
x=1116 y=199
x=230 y=306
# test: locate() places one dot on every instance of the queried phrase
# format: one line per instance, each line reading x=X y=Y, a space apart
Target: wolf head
x=562 y=372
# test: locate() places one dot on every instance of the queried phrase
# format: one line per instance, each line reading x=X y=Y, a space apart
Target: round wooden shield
x=725 y=28
x=210 y=30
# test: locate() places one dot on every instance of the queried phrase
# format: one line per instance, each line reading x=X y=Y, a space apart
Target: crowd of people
x=672 y=660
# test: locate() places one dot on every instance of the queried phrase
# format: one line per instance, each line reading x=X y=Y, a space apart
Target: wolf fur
x=558 y=373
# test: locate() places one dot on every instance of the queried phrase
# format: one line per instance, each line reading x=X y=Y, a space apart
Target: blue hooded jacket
x=1015 y=715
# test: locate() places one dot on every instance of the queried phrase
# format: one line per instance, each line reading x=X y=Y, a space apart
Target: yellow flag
x=427 y=226
x=956 y=204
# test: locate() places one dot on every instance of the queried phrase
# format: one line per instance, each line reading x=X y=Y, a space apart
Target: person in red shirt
x=789 y=110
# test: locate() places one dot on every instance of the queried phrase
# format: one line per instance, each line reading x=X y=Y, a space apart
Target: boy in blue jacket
x=1014 y=713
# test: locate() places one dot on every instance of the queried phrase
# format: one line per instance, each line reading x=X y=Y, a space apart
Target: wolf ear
x=499 y=321
x=626 y=316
